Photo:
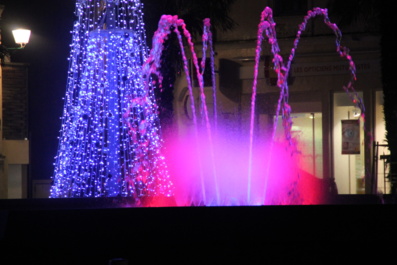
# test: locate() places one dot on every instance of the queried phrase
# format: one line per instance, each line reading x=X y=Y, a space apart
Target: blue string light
x=109 y=142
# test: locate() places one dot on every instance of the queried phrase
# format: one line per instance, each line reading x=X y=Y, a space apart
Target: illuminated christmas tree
x=109 y=143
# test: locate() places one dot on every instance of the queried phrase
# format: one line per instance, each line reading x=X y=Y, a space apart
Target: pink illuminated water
x=267 y=27
x=215 y=166
x=166 y=24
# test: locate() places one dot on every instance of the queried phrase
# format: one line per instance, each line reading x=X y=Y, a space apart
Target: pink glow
x=223 y=168
x=286 y=183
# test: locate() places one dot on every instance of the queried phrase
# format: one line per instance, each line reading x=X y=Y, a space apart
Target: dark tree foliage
x=170 y=69
x=193 y=12
x=367 y=12
x=3 y=53
x=389 y=59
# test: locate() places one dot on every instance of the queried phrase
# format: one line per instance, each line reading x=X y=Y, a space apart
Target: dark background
x=47 y=54
x=279 y=235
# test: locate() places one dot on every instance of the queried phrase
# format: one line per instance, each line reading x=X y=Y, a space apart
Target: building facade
x=14 y=143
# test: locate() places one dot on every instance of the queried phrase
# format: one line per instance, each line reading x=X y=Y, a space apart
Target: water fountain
x=264 y=172
x=110 y=143
x=217 y=167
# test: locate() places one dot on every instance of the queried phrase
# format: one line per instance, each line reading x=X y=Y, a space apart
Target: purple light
x=110 y=143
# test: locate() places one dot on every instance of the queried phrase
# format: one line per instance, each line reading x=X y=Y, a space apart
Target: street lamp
x=21 y=37
x=20 y=145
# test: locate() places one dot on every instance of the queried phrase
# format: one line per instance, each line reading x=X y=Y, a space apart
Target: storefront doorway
x=308 y=132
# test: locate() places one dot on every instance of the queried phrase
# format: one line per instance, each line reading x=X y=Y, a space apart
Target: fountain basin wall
x=43 y=234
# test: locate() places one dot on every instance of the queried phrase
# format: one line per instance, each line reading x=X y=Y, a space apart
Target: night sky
x=47 y=53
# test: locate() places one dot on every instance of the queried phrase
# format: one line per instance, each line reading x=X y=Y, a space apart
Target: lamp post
x=21 y=37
